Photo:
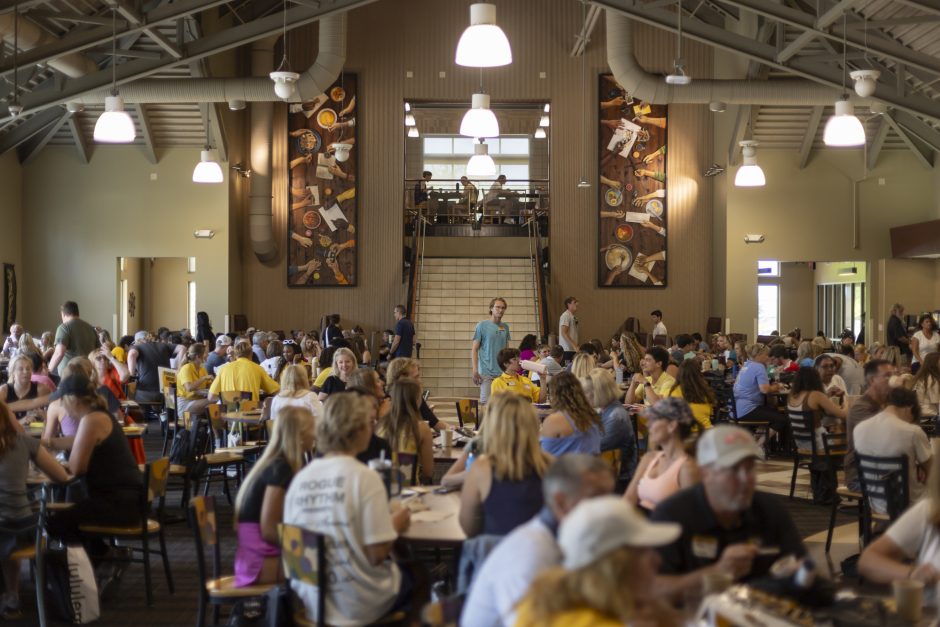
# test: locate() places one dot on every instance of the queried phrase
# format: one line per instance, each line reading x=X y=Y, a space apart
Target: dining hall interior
x=358 y=166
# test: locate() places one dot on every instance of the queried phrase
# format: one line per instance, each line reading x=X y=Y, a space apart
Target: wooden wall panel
x=388 y=39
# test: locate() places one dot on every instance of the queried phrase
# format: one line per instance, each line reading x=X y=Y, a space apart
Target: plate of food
x=613 y=197
x=326 y=118
x=308 y=142
x=655 y=208
x=337 y=94
x=618 y=257
x=624 y=233
x=312 y=219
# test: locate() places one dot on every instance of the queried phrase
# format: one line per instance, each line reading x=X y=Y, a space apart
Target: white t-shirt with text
x=309 y=400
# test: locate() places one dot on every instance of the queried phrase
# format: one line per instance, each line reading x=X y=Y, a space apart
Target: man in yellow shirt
x=242 y=375
x=654 y=382
x=512 y=381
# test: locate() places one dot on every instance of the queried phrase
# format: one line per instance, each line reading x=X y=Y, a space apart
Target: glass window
x=463 y=145
x=514 y=172
x=768 y=268
x=514 y=145
x=768 y=312
x=191 y=305
x=438 y=146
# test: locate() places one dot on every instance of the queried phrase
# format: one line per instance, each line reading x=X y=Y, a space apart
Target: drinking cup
x=909 y=598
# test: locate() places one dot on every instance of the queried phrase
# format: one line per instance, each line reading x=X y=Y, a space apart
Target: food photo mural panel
x=633 y=207
x=324 y=213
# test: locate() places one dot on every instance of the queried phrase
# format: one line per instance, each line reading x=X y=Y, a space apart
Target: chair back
x=303 y=557
x=883 y=483
x=803 y=432
x=266 y=409
x=713 y=325
x=169 y=398
x=407 y=464
x=836 y=444
x=167 y=377
x=230 y=396
x=130 y=389
x=660 y=340
x=468 y=412
x=202 y=521
x=249 y=405
x=156 y=474
x=214 y=411
x=613 y=457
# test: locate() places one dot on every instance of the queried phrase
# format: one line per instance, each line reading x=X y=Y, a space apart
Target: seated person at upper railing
x=498 y=200
x=421 y=189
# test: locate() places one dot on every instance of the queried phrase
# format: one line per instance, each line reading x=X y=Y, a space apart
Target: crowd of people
x=555 y=543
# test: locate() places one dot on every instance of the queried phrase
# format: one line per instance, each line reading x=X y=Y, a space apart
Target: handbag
x=71 y=585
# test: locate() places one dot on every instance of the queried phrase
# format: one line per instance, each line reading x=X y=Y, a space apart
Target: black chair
x=836 y=446
x=172 y=425
x=884 y=490
x=806 y=453
x=35 y=553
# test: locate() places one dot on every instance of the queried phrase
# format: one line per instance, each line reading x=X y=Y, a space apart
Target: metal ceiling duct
x=643 y=85
x=29 y=36
x=261 y=195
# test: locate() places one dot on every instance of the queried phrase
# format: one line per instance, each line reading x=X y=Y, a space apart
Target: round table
x=439 y=525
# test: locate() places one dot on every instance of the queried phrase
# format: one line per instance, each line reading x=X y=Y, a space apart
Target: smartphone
x=446 y=489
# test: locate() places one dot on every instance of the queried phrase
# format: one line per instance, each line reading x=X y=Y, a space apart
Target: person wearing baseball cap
x=726 y=525
x=607 y=573
x=218 y=356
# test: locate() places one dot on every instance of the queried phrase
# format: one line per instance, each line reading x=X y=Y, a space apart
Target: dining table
x=435 y=517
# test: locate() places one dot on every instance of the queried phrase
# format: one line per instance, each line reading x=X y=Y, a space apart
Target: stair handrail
x=538 y=279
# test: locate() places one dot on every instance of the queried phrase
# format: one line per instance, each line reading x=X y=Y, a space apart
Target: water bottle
x=470 y=457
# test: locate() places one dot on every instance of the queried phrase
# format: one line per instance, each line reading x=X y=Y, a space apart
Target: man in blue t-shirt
x=489 y=337
x=403 y=340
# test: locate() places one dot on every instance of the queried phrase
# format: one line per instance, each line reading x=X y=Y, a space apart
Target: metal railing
x=448 y=201
x=419 y=231
x=538 y=276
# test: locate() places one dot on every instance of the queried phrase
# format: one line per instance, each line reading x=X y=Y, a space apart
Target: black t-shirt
x=427 y=414
x=766 y=523
x=278 y=474
x=376 y=446
x=896 y=330
x=406 y=335
x=333 y=384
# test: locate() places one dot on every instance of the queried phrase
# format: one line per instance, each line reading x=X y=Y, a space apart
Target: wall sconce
x=203 y=233
x=241 y=171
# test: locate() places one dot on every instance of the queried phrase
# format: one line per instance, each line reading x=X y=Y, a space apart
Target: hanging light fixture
x=284 y=79
x=544 y=121
x=678 y=75
x=407 y=107
x=540 y=133
x=547 y=107
x=844 y=129
x=413 y=131
x=483 y=43
x=479 y=121
x=115 y=125
x=749 y=174
x=208 y=169
x=481 y=163
x=409 y=119
x=582 y=182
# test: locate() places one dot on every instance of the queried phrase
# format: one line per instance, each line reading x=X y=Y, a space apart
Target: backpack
x=189 y=446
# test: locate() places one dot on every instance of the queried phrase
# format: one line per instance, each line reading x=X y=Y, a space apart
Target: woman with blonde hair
x=295 y=392
x=259 y=506
x=631 y=351
x=192 y=382
x=411 y=368
x=409 y=436
x=602 y=393
x=607 y=574
x=574 y=427
x=582 y=365
x=692 y=387
x=503 y=487
x=20 y=393
x=60 y=427
x=27 y=345
x=344 y=362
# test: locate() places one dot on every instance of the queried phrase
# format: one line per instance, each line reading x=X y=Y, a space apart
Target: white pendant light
x=413 y=131
x=479 y=121
x=285 y=81
x=844 y=129
x=547 y=108
x=678 y=75
x=749 y=174
x=583 y=183
x=481 y=163
x=540 y=133
x=483 y=44
x=544 y=121
x=208 y=169
x=409 y=119
x=115 y=125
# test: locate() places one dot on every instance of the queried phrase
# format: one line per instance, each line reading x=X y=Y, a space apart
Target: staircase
x=454 y=296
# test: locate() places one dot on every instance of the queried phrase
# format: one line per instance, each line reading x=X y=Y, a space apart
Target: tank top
x=151 y=357
x=511 y=503
x=12 y=397
x=588 y=442
x=68 y=426
x=112 y=468
x=815 y=425
x=654 y=490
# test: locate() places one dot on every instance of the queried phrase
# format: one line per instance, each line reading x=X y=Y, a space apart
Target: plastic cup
x=448 y=437
x=909 y=598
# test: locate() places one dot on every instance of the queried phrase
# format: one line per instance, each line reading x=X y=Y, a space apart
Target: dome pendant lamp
x=115 y=125
x=479 y=121
x=483 y=43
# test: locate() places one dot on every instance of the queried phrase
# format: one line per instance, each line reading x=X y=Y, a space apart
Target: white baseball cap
x=726 y=445
x=223 y=340
x=600 y=525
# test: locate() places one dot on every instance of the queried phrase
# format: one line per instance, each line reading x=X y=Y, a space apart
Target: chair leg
x=796 y=467
x=215 y=614
x=166 y=561
x=40 y=577
x=148 y=583
x=832 y=520
x=166 y=440
x=225 y=488
x=201 y=610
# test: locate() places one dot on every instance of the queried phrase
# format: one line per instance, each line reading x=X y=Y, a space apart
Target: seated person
x=505 y=576
x=406 y=367
x=807 y=395
x=692 y=387
x=61 y=428
x=910 y=548
x=550 y=357
x=218 y=357
x=583 y=362
x=666 y=468
x=893 y=432
x=751 y=386
x=295 y=392
x=574 y=426
x=340 y=497
x=192 y=382
x=927 y=386
x=512 y=380
x=833 y=384
x=274 y=359
x=20 y=393
x=242 y=375
x=603 y=395
x=344 y=362
x=385 y=348
x=41 y=372
x=502 y=489
x=780 y=359
x=421 y=189
x=17 y=450
x=260 y=502
x=102 y=455
x=608 y=573
x=685 y=348
x=724 y=521
x=378 y=448
x=111 y=373
x=410 y=437
x=653 y=382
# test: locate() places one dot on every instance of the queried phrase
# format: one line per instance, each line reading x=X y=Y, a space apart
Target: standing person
x=489 y=337
x=896 y=333
x=568 y=328
x=877 y=377
x=656 y=317
x=204 y=332
x=925 y=341
x=143 y=361
x=404 y=336
x=74 y=338
x=333 y=332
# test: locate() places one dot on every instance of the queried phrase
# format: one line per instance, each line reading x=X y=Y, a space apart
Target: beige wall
x=165 y=293
x=541 y=36
x=11 y=225
x=797 y=297
x=807 y=215
x=912 y=283
x=80 y=218
x=134 y=275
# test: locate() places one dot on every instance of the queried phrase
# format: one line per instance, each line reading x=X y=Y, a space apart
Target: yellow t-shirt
x=661 y=386
x=243 y=375
x=517 y=384
x=323 y=376
x=702 y=412
x=581 y=617
x=190 y=374
x=120 y=354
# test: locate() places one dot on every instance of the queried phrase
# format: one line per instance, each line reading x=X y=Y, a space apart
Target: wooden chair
x=884 y=490
x=35 y=554
x=443 y=613
x=468 y=413
x=303 y=556
x=836 y=445
x=216 y=590
x=171 y=427
x=155 y=480
x=806 y=452
x=613 y=458
x=218 y=462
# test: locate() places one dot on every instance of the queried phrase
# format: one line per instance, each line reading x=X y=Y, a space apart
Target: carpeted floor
x=129 y=607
